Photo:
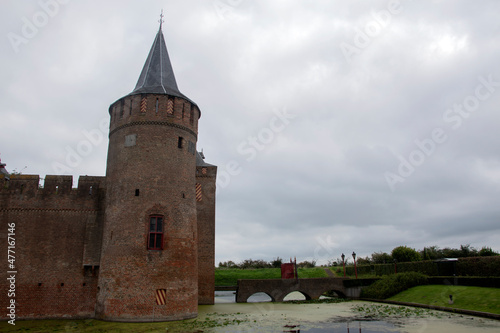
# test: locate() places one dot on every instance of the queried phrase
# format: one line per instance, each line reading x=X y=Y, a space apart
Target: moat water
x=260 y=315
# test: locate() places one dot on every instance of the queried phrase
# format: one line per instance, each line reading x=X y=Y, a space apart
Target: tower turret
x=149 y=260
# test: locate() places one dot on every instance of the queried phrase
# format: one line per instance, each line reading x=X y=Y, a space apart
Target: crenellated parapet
x=20 y=184
x=154 y=109
x=28 y=186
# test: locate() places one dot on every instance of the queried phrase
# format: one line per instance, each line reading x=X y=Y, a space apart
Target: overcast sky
x=337 y=126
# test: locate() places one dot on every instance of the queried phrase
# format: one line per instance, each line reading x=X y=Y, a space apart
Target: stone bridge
x=277 y=289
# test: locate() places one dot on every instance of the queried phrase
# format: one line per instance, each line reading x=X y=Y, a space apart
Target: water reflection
x=225 y=297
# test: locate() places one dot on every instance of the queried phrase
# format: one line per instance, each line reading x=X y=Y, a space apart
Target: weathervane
x=161 y=18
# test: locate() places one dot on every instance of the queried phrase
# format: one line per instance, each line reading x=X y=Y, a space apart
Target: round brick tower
x=149 y=263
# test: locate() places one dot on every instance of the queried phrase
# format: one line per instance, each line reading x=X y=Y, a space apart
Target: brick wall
x=51 y=281
x=205 y=177
x=82 y=253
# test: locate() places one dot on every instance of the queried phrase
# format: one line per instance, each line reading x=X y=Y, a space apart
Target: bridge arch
x=278 y=289
x=339 y=293
x=259 y=297
x=291 y=294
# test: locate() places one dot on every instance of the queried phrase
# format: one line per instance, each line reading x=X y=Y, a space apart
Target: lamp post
x=355 y=269
x=343 y=262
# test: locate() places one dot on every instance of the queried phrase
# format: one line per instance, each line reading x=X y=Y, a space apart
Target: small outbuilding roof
x=3 y=171
x=200 y=160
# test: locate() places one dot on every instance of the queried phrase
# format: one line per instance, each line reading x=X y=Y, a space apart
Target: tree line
x=275 y=263
x=408 y=254
x=398 y=254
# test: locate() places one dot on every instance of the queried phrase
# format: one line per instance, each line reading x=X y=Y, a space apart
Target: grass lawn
x=230 y=276
x=469 y=298
x=80 y=326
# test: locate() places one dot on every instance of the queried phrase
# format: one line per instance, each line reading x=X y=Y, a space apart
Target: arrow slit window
x=155 y=235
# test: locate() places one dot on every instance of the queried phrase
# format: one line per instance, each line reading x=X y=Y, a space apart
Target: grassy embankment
x=412 y=287
x=230 y=276
x=468 y=298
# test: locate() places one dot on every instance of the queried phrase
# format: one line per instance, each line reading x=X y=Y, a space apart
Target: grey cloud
x=323 y=174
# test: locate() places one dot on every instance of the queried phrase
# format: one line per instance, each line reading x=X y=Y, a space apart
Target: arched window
x=155 y=235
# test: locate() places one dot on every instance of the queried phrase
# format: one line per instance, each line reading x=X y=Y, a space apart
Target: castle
x=135 y=245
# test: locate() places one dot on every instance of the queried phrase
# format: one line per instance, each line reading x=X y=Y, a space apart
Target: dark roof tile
x=157 y=76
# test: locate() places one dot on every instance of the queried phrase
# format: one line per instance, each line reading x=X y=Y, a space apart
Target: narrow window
x=156 y=105
x=87 y=270
x=191 y=115
x=130 y=108
x=155 y=236
x=57 y=189
x=136 y=192
x=122 y=108
x=90 y=190
x=183 y=107
x=179 y=142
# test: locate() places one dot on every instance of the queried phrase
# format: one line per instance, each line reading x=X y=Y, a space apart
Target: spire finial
x=161 y=18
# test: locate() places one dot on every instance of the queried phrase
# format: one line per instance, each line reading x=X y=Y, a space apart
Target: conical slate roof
x=157 y=76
